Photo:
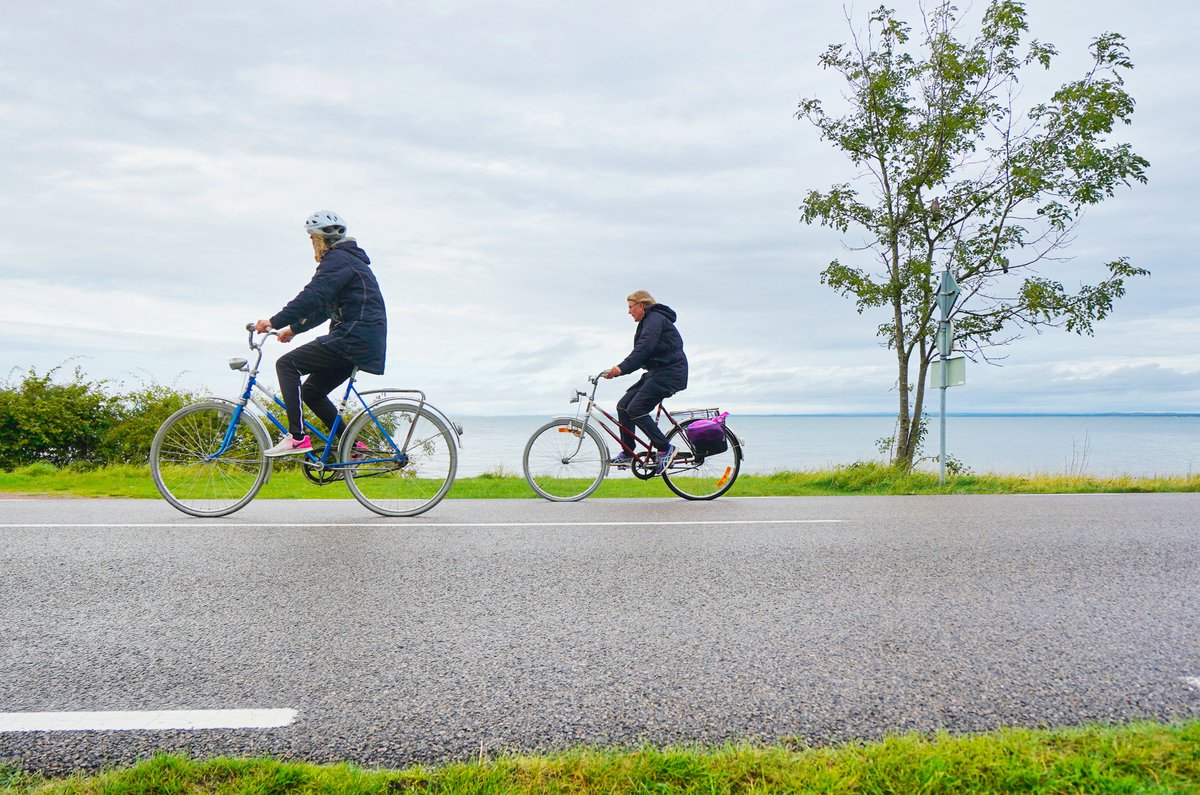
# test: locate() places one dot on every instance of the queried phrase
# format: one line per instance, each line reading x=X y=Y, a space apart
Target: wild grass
x=1137 y=758
x=861 y=478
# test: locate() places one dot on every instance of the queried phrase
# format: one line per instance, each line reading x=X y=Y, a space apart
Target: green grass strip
x=1137 y=758
x=287 y=483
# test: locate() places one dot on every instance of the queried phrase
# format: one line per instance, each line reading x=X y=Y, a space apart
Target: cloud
x=514 y=169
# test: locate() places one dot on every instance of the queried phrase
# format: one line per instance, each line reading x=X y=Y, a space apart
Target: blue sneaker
x=622 y=459
x=665 y=458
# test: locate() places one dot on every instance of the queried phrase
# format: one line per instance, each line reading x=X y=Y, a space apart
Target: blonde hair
x=321 y=246
x=641 y=297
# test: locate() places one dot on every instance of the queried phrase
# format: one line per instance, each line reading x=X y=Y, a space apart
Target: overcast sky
x=515 y=169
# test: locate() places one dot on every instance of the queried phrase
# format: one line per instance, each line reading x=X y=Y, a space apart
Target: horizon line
x=930 y=414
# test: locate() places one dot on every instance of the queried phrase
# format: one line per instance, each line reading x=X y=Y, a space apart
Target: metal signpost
x=949 y=372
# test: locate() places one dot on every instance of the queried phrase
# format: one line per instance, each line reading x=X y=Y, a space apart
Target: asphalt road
x=494 y=625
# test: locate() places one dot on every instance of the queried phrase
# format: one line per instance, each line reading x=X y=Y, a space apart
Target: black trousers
x=326 y=372
x=635 y=406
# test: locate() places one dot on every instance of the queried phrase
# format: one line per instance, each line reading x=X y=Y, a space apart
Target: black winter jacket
x=658 y=347
x=344 y=291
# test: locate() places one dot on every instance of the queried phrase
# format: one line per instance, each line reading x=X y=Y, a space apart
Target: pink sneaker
x=288 y=445
x=360 y=452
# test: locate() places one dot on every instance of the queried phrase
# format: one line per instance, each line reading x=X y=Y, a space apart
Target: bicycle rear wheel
x=564 y=462
x=187 y=470
x=696 y=478
x=399 y=482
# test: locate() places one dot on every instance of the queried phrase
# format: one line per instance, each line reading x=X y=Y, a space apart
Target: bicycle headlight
x=237 y=363
x=574 y=396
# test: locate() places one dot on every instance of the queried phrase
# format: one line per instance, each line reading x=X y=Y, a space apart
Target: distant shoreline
x=1149 y=414
x=998 y=414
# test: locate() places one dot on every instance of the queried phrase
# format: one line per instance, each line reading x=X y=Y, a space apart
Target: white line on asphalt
x=386 y=523
x=146 y=720
x=1192 y=681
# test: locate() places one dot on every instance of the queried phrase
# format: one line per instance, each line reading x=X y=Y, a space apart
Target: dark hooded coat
x=343 y=290
x=658 y=347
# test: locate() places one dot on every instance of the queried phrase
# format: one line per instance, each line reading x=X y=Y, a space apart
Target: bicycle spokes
x=394 y=478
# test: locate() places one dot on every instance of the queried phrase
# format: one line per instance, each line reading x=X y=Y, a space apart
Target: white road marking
x=147 y=720
x=401 y=523
x=1192 y=681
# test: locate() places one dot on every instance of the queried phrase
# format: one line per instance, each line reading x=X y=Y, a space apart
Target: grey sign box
x=945 y=337
x=955 y=370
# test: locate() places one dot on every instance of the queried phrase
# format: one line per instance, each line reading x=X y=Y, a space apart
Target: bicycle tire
x=395 y=482
x=563 y=469
x=184 y=471
x=711 y=477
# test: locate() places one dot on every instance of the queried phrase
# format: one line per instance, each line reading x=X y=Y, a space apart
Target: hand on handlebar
x=611 y=372
x=284 y=334
x=269 y=332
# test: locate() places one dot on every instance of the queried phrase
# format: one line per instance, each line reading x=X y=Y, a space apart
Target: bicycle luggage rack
x=454 y=426
x=694 y=414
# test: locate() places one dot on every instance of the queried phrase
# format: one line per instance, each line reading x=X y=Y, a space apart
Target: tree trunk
x=906 y=438
x=903 y=451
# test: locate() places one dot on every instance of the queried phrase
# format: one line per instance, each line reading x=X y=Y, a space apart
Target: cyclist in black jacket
x=657 y=347
x=345 y=292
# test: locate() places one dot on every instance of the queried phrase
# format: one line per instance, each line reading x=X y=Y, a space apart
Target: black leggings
x=635 y=407
x=326 y=372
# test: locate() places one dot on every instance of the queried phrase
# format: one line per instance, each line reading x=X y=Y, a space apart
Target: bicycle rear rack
x=692 y=414
x=421 y=403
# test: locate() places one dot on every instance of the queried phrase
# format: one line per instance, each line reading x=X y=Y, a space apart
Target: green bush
x=81 y=423
x=44 y=421
x=142 y=412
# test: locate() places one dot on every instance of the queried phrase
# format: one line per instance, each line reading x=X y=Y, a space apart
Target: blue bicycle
x=398 y=454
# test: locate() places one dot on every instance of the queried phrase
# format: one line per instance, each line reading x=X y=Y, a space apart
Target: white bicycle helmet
x=325 y=223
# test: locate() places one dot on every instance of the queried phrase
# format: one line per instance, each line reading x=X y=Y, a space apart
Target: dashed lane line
x=146 y=720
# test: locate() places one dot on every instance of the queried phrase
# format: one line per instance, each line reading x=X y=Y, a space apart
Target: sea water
x=1074 y=444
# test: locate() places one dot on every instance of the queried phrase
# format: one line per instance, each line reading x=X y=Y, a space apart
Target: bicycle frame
x=592 y=406
x=248 y=397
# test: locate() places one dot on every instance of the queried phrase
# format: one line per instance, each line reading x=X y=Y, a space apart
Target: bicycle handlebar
x=250 y=329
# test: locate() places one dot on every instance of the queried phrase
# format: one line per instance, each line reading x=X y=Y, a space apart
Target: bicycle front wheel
x=194 y=473
x=392 y=478
x=564 y=461
x=702 y=478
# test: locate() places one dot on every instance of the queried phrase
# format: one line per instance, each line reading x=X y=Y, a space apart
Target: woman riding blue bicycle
x=344 y=291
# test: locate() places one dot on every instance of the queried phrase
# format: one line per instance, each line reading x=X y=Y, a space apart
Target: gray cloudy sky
x=515 y=169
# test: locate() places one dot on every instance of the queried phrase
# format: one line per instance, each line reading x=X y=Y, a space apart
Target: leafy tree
x=959 y=177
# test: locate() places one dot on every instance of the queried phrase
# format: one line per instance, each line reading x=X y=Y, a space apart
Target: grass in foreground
x=1141 y=758
x=288 y=483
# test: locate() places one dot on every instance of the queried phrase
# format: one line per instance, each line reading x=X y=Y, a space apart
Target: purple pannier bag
x=708 y=436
